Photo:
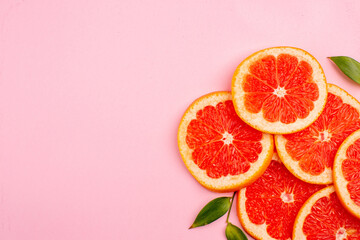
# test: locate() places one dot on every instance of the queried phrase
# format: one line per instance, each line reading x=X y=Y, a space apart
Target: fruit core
x=280 y=92
x=287 y=197
x=324 y=136
x=227 y=138
x=341 y=234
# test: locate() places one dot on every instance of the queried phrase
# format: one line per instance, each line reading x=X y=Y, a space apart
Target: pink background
x=92 y=92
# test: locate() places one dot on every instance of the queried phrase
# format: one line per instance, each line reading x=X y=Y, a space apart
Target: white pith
x=341 y=234
x=287 y=197
x=340 y=182
x=280 y=92
x=229 y=182
x=324 y=136
x=256 y=119
x=326 y=177
x=227 y=138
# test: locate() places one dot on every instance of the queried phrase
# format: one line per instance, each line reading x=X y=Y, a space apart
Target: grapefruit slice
x=347 y=173
x=279 y=90
x=267 y=208
x=309 y=154
x=323 y=217
x=221 y=151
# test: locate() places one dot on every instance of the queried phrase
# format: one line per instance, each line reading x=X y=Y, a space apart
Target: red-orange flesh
x=315 y=147
x=275 y=199
x=351 y=171
x=281 y=87
x=329 y=220
x=223 y=144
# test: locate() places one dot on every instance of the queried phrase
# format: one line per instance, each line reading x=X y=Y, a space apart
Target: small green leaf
x=232 y=232
x=212 y=211
x=350 y=67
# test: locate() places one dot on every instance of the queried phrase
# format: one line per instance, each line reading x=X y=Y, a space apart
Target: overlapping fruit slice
x=323 y=217
x=309 y=154
x=267 y=208
x=347 y=173
x=221 y=151
x=279 y=90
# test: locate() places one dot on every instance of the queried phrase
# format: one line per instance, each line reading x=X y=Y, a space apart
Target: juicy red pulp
x=328 y=219
x=315 y=147
x=281 y=87
x=275 y=199
x=351 y=170
x=222 y=143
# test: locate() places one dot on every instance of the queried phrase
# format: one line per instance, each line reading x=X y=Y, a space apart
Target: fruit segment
x=221 y=140
x=309 y=154
x=221 y=151
x=323 y=217
x=279 y=90
x=267 y=208
x=329 y=210
x=347 y=173
x=351 y=170
x=282 y=88
x=324 y=136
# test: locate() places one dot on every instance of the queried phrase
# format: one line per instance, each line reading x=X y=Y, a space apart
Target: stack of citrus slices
x=309 y=188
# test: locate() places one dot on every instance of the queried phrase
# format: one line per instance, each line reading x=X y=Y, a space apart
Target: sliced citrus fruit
x=309 y=154
x=279 y=90
x=267 y=208
x=323 y=217
x=221 y=151
x=347 y=173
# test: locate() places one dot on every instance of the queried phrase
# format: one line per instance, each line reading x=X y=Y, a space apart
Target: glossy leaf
x=232 y=232
x=349 y=66
x=212 y=211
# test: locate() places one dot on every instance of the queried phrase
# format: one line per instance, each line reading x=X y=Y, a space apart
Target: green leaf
x=232 y=232
x=350 y=67
x=212 y=211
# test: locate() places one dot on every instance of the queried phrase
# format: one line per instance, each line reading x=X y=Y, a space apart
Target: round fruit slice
x=309 y=154
x=323 y=217
x=267 y=208
x=347 y=173
x=279 y=90
x=218 y=148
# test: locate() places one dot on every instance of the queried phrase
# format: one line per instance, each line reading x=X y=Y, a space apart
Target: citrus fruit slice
x=279 y=90
x=309 y=154
x=221 y=151
x=323 y=217
x=347 y=173
x=267 y=208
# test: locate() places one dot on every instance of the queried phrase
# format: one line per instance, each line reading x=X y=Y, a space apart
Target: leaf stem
x=232 y=200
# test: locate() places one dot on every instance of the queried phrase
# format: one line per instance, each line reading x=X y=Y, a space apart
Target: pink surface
x=92 y=92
